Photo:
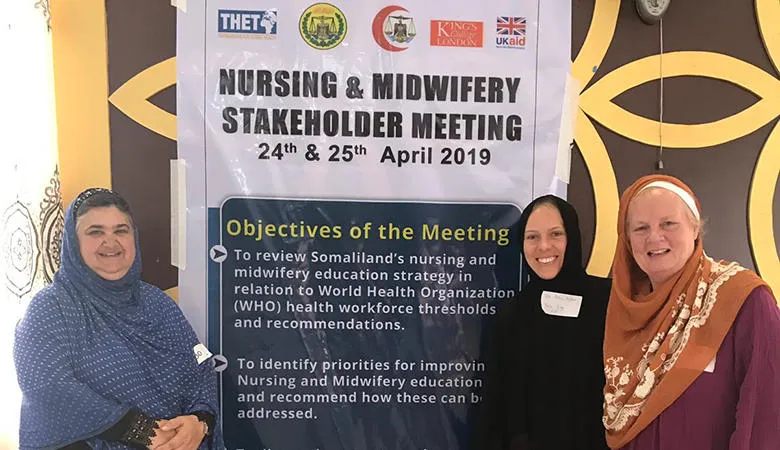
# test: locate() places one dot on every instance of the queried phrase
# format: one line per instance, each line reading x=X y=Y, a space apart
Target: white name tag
x=562 y=305
x=711 y=366
x=201 y=353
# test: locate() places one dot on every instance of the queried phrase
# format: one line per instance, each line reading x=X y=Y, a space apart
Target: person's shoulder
x=742 y=283
x=44 y=309
x=157 y=298
x=761 y=300
x=45 y=300
x=47 y=294
x=758 y=317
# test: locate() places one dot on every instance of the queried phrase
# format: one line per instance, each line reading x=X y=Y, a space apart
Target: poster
x=354 y=172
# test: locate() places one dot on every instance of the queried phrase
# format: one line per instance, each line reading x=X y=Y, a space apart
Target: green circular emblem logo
x=323 y=26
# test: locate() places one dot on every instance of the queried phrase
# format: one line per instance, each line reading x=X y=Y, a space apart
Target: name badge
x=711 y=366
x=201 y=353
x=562 y=305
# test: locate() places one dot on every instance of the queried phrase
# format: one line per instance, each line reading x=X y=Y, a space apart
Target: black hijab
x=545 y=376
x=572 y=273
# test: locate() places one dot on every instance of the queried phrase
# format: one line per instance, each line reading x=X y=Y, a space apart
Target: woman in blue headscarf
x=104 y=360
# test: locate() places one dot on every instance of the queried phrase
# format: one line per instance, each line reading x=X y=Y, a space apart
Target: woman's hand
x=161 y=437
x=189 y=433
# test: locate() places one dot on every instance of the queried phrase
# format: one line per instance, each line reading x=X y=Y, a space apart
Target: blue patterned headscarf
x=89 y=349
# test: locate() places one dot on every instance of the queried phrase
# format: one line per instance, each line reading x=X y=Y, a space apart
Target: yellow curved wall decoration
x=597 y=103
x=132 y=98
x=81 y=89
x=605 y=192
x=594 y=153
x=768 y=16
x=762 y=191
x=599 y=36
x=764 y=185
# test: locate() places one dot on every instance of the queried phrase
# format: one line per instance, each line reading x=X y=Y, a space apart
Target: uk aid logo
x=247 y=24
x=510 y=32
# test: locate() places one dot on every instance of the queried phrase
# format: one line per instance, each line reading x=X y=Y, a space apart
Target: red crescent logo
x=378 y=25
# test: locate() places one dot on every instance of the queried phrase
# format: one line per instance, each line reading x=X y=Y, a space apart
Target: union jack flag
x=510 y=26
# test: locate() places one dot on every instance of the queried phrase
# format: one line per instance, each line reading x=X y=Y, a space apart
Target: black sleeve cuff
x=206 y=418
x=135 y=429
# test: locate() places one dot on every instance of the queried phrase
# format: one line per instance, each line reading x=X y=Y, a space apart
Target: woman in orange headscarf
x=692 y=345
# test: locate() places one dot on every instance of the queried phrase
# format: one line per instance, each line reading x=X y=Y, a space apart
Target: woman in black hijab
x=545 y=375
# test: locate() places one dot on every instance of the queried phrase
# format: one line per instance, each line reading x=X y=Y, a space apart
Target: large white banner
x=353 y=175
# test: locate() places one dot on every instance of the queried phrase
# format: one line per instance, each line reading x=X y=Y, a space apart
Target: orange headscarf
x=658 y=341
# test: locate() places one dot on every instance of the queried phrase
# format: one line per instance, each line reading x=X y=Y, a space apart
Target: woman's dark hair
x=548 y=201
x=100 y=198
